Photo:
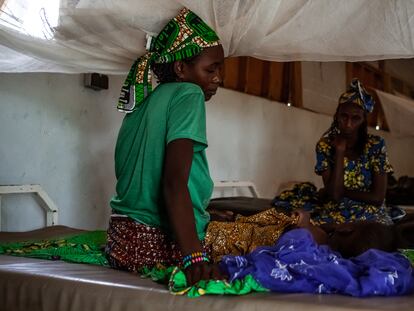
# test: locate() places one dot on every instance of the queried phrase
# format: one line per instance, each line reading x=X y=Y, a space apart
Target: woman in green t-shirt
x=163 y=182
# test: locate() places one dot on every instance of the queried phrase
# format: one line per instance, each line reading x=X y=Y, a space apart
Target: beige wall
x=322 y=84
x=61 y=135
x=401 y=152
x=252 y=138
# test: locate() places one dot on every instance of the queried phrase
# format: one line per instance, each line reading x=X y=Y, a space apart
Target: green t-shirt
x=172 y=111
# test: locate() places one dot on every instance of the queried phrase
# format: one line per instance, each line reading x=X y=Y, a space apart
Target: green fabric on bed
x=88 y=248
x=178 y=286
x=177 y=283
x=409 y=253
x=80 y=248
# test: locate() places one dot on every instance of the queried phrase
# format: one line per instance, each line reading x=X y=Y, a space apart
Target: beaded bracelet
x=194 y=258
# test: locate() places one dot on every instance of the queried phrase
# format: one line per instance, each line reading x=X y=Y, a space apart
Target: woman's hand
x=333 y=177
x=203 y=271
x=339 y=143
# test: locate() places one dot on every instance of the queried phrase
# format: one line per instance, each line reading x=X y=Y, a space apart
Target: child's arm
x=318 y=233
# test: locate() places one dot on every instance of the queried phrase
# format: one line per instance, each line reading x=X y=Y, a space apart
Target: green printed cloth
x=177 y=283
x=88 y=248
x=185 y=36
x=81 y=248
x=409 y=253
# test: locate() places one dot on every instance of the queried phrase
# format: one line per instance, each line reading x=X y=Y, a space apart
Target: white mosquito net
x=105 y=36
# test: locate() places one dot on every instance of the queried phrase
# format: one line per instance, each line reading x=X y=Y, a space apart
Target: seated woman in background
x=353 y=165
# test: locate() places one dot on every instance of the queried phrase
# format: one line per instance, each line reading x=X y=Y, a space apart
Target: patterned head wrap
x=185 y=36
x=357 y=94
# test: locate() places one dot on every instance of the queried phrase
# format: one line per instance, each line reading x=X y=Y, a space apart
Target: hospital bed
x=43 y=285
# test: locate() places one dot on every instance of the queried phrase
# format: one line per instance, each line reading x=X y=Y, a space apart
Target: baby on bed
x=245 y=233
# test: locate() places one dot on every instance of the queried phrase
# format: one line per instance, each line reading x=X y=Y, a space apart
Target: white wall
x=400 y=151
x=322 y=84
x=251 y=138
x=57 y=133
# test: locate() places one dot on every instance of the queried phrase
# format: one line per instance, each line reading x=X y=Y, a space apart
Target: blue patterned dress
x=358 y=175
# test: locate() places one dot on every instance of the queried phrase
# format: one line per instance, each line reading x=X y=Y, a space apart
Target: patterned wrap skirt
x=132 y=246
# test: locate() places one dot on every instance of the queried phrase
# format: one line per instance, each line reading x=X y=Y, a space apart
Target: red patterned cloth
x=132 y=246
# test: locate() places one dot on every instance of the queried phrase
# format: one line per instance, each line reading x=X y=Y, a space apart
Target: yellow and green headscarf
x=185 y=36
x=357 y=94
